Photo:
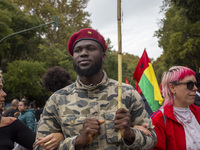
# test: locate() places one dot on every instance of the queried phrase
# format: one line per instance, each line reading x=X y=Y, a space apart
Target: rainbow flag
x=145 y=76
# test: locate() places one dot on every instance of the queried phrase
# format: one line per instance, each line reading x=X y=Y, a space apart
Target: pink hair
x=174 y=74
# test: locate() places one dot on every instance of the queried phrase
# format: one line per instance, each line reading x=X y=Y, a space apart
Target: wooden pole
x=119 y=59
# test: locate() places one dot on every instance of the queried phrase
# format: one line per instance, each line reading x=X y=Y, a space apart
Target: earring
x=174 y=96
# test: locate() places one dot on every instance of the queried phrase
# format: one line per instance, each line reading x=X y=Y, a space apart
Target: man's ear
x=172 y=88
x=104 y=57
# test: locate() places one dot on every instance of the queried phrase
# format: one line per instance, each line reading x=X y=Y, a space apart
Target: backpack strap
x=156 y=115
x=165 y=118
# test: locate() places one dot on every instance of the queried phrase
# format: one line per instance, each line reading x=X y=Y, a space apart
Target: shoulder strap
x=165 y=119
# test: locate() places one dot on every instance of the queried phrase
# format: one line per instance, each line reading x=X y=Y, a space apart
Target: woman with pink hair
x=177 y=122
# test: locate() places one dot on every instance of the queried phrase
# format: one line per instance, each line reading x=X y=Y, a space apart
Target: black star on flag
x=142 y=66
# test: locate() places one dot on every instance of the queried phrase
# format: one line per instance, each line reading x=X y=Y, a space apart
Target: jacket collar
x=196 y=111
x=169 y=113
x=104 y=82
x=28 y=110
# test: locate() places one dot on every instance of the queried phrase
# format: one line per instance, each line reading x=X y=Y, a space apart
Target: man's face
x=88 y=56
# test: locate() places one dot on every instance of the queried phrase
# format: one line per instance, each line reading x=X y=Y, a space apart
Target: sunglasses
x=190 y=84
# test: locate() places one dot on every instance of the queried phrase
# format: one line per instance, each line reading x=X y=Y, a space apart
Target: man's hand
x=143 y=128
x=16 y=114
x=123 y=123
x=90 y=131
x=50 y=142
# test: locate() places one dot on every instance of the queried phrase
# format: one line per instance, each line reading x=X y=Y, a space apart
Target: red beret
x=86 y=34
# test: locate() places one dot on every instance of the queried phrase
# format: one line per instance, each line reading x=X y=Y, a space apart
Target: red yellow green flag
x=138 y=88
x=145 y=76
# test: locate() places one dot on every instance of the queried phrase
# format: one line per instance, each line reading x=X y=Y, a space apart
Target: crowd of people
x=85 y=114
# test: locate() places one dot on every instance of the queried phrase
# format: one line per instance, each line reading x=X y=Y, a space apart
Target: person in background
x=27 y=115
x=37 y=111
x=56 y=78
x=1 y=109
x=86 y=113
x=13 y=130
x=177 y=123
x=32 y=105
x=197 y=98
x=11 y=111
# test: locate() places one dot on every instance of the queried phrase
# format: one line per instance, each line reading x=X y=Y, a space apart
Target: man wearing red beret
x=86 y=113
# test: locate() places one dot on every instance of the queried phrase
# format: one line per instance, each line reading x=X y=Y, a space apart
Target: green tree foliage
x=192 y=8
x=20 y=46
x=51 y=49
x=28 y=55
x=179 y=35
x=111 y=63
x=111 y=66
x=71 y=14
x=72 y=18
x=159 y=67
x=55 y=56
x=23 y=78
x=131 y=62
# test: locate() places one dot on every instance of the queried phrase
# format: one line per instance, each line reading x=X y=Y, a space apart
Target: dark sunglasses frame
x=190 y=84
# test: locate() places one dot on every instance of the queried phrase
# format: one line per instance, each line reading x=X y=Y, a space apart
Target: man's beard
x=90 y=71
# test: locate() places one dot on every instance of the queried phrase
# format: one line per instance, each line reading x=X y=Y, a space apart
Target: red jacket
x=171 y=137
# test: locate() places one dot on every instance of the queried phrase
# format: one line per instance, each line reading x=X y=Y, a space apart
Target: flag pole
x=119 y=59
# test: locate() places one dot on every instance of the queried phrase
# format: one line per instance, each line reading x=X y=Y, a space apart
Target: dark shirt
x=10 y=112
x=147 y=107
x=18 y=132
x=38 y=112
x=197 y=101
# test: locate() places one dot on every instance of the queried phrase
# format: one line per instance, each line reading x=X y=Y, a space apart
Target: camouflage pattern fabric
x=67 y=108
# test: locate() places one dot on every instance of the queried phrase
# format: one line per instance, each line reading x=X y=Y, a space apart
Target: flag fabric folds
x=145 y=76
x=138 y=88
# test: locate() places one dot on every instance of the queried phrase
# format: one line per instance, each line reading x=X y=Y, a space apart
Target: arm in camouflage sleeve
x=50 y=123
x=139 y=116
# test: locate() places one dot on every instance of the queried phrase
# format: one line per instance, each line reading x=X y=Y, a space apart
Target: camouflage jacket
x=67 y=108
